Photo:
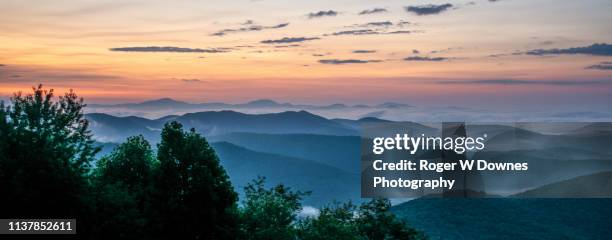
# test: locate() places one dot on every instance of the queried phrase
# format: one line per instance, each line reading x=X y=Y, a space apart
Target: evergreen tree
x=194 y=196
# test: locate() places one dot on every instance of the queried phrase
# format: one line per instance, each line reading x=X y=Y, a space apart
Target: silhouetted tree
x=123 y=184
x=194 y=196
x=372 y=220
x=337 y=221
x=375 y=221
x=269 y=213
x=45 y=155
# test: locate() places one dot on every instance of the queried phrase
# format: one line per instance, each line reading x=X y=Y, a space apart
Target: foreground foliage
x=182 y=191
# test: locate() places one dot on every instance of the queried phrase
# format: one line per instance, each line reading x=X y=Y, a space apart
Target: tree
x=45 y=155
x=130 y=163
x=269 y=213
x=376 y=222
x=371 y=221
x=337 y=221
x=194 y=196
x=123 y=184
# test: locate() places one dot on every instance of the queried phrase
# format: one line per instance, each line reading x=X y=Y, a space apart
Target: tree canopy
x=45 y=155
x=47 y=158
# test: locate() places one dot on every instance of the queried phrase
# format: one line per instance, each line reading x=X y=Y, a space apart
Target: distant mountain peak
x=263 y=102
x=163 y=100
x=393 y=105
x=372 y=119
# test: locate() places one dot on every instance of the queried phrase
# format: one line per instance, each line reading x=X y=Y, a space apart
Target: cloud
x=364 y=51
x=287 y=46
x=346 y=61
x=367 y=32
x=430 y=9
x=38 y=74
x=546 y=43
x=378 y=24
x=426 y=59
x=289 y=40
x=597 y=49
x=403 y=23
x=372 y=11
x=601 y=66
x=328 y=13
x=192 y=80
x=251 y=28
x=356 y=32
x=529 y=82
x=400 y=32
x=170 y=49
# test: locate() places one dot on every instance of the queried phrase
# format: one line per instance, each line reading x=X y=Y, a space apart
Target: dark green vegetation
x=507 y=218
x=593 y=185
x=179 y=191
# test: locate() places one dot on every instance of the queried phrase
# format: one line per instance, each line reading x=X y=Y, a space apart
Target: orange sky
x=65 y=44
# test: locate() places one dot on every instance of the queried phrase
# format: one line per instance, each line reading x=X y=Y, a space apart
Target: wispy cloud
x=400 y=32
x=288 y=46
x=35 y=74
x=251 y=28
x=372 y=11
x=367 y=32
x=529 y=82
x=289 y=40
x=346 y=61
x=378 y=24
x=191 y=80
x=430 y=9
x=597 y=49
x=601 y=66
x=425 y=59
x=328 y=13
x=356 y=32
x=386 y=24
x=364 y=51
x=170 y=49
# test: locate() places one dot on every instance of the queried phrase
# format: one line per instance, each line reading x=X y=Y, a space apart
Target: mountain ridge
x=257 y=103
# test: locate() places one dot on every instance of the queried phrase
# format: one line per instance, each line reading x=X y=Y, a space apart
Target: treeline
x=48 y=169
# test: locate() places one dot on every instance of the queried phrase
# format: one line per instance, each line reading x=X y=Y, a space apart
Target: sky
x=503 y=53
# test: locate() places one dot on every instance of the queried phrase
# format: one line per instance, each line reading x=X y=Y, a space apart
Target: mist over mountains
x=109 y=128
x=260 y=103
x=313 y=153
x=310 y=152
x=396 y=111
